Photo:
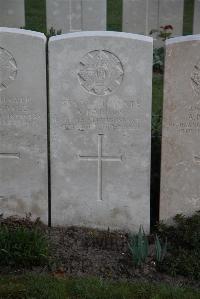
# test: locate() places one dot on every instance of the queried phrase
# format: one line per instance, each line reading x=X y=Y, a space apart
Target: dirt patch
x=84 y=252
x=89 y=252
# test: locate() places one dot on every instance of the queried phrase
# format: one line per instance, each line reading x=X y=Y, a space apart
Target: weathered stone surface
x=171 y=13
x=76 y=15
x=141 y=16
x=12 y=13
x=23 y=134
x=196 y=20
x=100 y=100
x=180 y=188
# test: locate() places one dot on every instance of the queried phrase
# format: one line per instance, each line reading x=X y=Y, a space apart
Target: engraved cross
x=100 y=158
x=9 y=155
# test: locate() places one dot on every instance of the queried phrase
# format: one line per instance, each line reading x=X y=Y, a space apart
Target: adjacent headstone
x=141 y=16
x=23 y=122
x=76 y=15
x=12 y=13
x=180 y=177
x=170 y=12
x=196 y=20
x=100 y=101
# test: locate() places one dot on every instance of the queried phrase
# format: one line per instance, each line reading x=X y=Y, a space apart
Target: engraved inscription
x=8 y=68
x=195 y=78
x=197 y=159
x=101 y=72
x=16 y=111
x=188 y=124
x=100 y=158
x=107 y=115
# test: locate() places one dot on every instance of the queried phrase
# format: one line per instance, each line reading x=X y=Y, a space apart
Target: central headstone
x=23 y=124
x=76 y=15
x=100 y=101
x=12 y=13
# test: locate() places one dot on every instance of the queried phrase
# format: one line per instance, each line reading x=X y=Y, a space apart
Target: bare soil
x=86 y=252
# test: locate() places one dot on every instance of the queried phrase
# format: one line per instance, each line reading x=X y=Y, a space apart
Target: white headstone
x=100 y=101
x=141 y=16
x=180 y=177
x=12 y=13
x=171 y=13
x=23 y=122
x=76 y=15
x=196 y=21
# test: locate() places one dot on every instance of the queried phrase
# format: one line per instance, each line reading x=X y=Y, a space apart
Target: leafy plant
x=158 y=60
x=163 y=33
x=22 y=247
x=160 y=249
x=183 y=246
x=139 y=247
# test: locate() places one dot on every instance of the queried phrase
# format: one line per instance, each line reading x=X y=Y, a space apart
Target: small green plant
x=22 y=247
x=163 y=33
x=139 y=247
x=158 y=60
x=160 y=249
x=52 y=32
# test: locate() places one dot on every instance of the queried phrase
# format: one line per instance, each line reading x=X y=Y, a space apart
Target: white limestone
x=100 y=103
x=196 y=20
x=180 y=175
x=23 y=122
x=12 y=13
x=76 y=15
x=141 y=16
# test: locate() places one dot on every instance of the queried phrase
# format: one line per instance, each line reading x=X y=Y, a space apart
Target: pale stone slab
x=100 y=102
x=171 y=13
x=141 y=16
x=180 y=177
x=23 y=121
x=76 y=15
x=12 y=13
x=196 y=20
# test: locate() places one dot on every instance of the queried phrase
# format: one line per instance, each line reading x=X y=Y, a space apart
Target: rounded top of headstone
x=181 y=39
x=22 y=32
x=102 y=34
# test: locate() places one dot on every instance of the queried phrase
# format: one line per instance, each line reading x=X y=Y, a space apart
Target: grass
x=48 y=287
x=114 y=17
x=22 y=247
x=157 y=96
x=35 y=15
x=188 y=17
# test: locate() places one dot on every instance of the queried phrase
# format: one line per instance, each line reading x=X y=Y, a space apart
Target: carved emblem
x=101 y=72
x=8 y=68
x=195 y=78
